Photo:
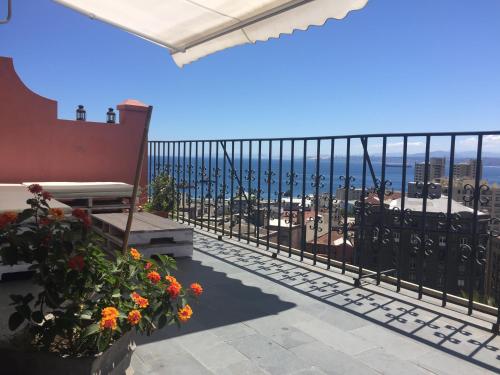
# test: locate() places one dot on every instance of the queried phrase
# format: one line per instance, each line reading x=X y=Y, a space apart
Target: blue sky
x=408 y=65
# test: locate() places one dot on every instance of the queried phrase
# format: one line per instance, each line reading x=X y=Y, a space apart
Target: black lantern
x=81 y=113
x=110 y=116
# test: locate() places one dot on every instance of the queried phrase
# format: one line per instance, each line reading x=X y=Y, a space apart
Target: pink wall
x=37 y=146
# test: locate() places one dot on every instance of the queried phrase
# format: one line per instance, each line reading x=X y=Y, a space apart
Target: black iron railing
x=419 y=210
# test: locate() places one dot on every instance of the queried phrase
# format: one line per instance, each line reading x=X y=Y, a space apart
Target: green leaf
x=37 y=317
x=15 y=321
x=162 y=321
x=103 y=342
x=91 y=330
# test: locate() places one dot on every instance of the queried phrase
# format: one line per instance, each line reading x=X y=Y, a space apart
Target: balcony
x=369 y=237
x=265 y=315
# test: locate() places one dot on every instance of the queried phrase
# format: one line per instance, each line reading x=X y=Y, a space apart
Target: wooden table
x=150 y=234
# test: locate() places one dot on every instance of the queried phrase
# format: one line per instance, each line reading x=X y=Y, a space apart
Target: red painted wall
x=37 y=146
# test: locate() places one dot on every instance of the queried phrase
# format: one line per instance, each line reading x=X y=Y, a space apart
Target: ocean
x=393 y=173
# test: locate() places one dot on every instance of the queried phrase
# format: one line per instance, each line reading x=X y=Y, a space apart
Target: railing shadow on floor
x=415 y=321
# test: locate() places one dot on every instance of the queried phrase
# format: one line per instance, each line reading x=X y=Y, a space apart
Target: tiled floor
x=261 y=315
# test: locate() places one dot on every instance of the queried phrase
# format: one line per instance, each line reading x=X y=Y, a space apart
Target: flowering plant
x=87 y=299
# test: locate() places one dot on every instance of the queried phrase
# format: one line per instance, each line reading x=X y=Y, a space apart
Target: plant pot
x=115 y=360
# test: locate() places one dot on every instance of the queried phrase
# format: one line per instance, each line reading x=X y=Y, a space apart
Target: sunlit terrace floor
x=261 y=315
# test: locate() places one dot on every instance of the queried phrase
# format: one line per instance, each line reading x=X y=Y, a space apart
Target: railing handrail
x=351 y=136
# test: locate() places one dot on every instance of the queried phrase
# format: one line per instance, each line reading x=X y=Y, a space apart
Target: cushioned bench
x=92 y=196
x=13 y=198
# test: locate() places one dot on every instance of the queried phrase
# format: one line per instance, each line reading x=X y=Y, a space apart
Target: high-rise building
x=436 y=169
x=466 y=170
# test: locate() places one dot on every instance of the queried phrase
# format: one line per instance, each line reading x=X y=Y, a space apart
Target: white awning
x=192 y=29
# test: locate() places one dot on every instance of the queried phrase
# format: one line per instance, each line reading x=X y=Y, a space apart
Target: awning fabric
x=192 y=29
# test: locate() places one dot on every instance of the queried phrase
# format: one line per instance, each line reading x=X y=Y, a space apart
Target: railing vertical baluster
x=382 y=231
x=157 y=157
x=292 y=179
x=259 y=192
x=269 y=184
x=330 y=201
x=178 y=182
x=196 y=184
x=163 y=157
x=224 y=190
x=303 y=217
x=402 y=214
x=444 y=299
x=183 y=182
x=425 y=192
x=241 y=192
x=216 y=194
x=475 y=239
x=173 y=182
x=168 y=171
x=231 y=207
x=209 y=192
x=249 y=197
x=280 y=188
x=361 y=243
x=203 y=176
x=346 y=200
x=150 y=166
x=317 y=182
x=190 y=170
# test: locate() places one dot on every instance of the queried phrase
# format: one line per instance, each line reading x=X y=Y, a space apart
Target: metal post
x=138 y=170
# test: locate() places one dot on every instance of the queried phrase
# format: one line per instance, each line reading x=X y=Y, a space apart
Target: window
x=442 y=240
x=460 y=282
x=412 y=277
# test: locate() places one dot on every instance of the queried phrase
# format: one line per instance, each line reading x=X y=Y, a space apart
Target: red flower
x=35 y=189
x=196 y=289
x=45 y=221
x=46 y=196
x=79 y=213
x=154 y=277
x=7 y=218
x=148 y=265
x=173 y=290
x=77 y=263
x=83 y=216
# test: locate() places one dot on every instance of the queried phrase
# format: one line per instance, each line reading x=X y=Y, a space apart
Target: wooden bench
x=151 y=234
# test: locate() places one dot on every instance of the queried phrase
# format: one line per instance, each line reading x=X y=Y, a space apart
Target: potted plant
x=88 y=306
x=163 y=195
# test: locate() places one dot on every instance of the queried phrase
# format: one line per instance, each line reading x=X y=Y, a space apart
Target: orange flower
x=135 y=254
x=108 y=318
x=134 y=317
x=154 y=277
x=196 y=289
x=7 y=218
x=174 y=289
x=185 y=313
x=57 y=213
x=140 y=301
x=171 y=279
